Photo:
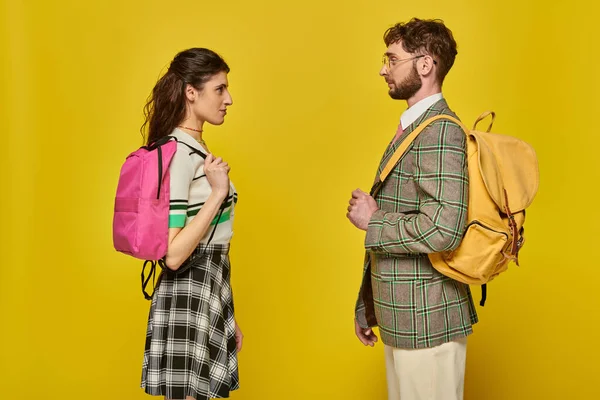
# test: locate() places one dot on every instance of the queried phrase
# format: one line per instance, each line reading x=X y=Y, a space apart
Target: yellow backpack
x=503 y=180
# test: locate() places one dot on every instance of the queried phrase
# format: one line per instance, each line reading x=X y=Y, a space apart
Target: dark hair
x=429 y=36
x=165 y=108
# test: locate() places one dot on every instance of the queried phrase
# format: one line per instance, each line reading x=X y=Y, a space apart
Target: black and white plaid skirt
x=190 y=341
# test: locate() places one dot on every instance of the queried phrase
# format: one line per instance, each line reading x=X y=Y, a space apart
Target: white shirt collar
x=413 y=113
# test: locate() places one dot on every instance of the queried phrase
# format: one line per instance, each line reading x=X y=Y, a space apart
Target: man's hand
x=361 y=209
x=366 y=336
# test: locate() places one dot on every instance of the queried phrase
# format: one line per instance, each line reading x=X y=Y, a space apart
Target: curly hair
x=425 y=36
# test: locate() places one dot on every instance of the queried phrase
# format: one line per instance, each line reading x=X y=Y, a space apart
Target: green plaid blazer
x=422 y=209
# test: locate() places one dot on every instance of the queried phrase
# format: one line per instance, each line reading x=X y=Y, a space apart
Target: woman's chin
x=216 y=121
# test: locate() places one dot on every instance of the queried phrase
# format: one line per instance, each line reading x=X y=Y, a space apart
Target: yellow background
x=310 y=120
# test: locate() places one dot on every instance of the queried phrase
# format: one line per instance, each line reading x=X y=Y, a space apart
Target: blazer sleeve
x=364 y=310
x=441 y=178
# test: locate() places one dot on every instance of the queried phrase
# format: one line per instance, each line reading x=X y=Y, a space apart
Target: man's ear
x=425 y=65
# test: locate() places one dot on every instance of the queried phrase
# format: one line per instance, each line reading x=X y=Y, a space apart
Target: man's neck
x=423 y=93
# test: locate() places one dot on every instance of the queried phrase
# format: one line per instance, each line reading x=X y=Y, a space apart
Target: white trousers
x=436 y=373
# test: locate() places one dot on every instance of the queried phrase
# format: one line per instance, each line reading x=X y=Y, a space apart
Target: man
x=423 y=316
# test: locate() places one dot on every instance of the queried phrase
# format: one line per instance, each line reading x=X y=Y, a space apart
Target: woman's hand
x=239 y=337
x=217 y=173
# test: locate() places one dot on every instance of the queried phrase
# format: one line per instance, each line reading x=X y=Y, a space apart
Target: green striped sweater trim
x=224 y=218
x=177 y=220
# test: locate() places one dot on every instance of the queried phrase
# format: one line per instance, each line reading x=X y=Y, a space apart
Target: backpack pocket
x=125 y=225
x=141 y=227
x=478 y=258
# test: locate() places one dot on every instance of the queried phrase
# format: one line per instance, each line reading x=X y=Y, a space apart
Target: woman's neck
x=193 y=127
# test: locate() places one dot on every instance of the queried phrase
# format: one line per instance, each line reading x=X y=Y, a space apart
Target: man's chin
x=395 y=95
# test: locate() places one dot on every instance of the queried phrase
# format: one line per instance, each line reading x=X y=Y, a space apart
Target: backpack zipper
x=475 y=222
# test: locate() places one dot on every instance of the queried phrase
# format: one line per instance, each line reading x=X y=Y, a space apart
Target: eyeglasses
x=390 y=61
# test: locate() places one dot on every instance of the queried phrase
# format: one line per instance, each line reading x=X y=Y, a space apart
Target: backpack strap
x=152 y=275
x=194 y=150
x=483 y=294
x=156 y=144
x=404 y=146
x=482 y=116
x=163 y=140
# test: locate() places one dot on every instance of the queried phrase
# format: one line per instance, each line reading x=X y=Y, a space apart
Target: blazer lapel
x=435 y=109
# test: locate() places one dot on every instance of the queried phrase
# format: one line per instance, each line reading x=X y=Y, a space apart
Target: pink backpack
x=141 y=214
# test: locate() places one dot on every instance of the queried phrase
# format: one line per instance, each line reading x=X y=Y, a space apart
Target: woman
x=192 y=338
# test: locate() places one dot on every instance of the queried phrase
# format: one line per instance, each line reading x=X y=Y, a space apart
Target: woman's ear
x=190 y=92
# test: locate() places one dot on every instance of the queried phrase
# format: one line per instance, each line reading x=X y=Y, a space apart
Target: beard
x=408 y=87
